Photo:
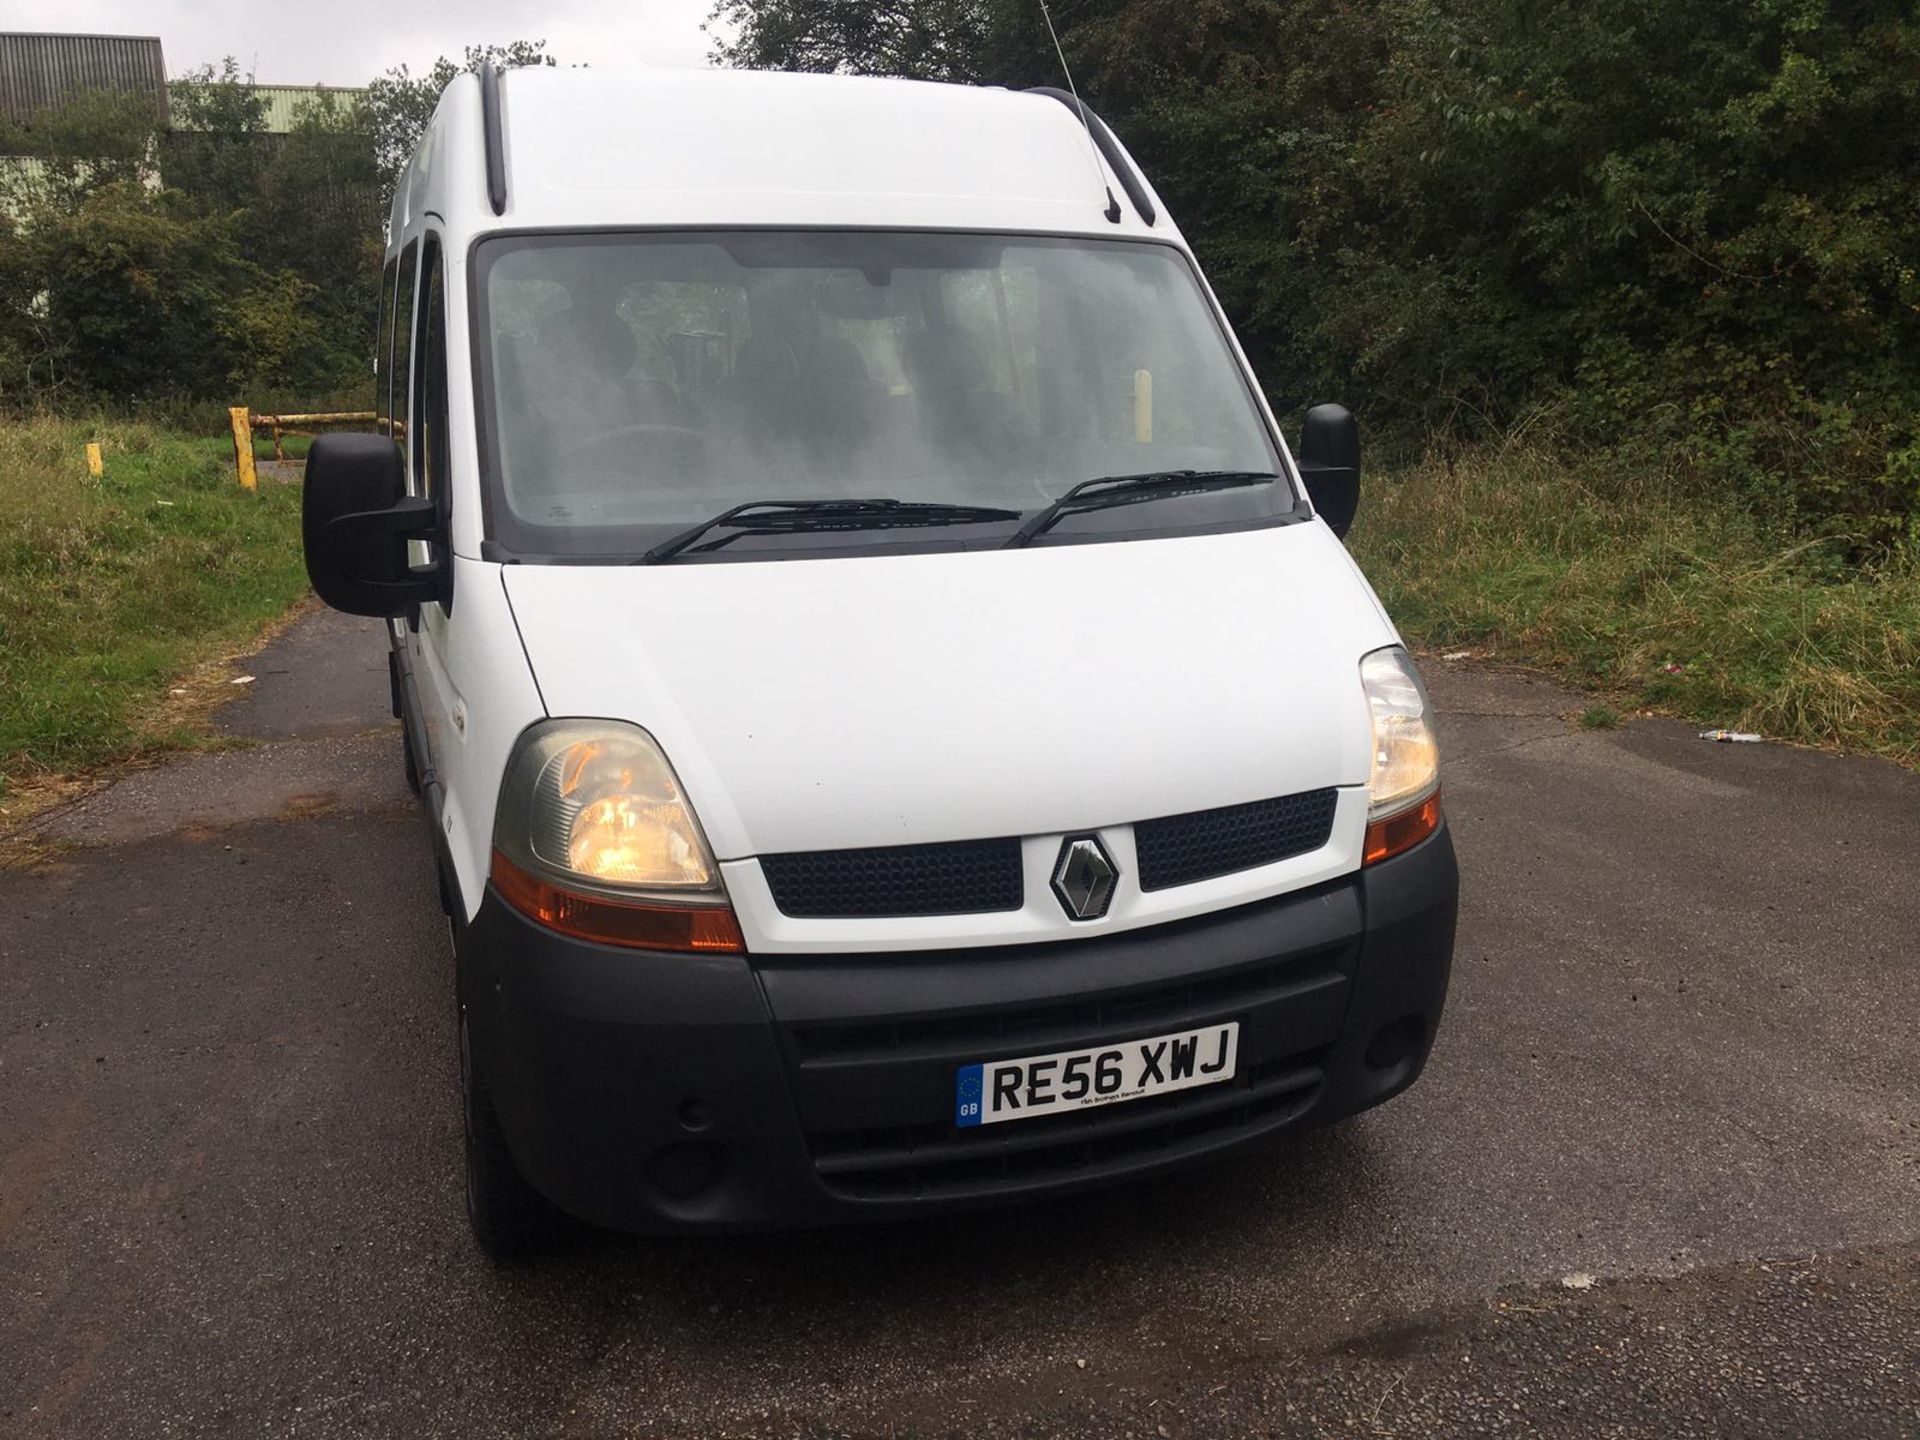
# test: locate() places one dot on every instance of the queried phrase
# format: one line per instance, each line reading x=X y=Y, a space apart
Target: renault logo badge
x=1084 y=877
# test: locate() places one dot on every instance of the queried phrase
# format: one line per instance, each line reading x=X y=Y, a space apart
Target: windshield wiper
x=778 y=516
x=1108 y=490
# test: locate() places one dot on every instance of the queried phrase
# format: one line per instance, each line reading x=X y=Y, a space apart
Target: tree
x=320 y=212
x=230 y=265
x=919 y=39
x=95 y=139
x=217 y=143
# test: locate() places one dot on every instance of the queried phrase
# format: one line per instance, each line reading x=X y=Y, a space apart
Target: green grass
x=1650 y=593
x=110 y=588
x=293 y=446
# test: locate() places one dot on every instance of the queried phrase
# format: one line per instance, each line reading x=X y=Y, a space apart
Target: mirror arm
x=413 y=517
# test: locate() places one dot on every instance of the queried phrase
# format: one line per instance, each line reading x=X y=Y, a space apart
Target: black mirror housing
x=355 y=521
x=1330 y=464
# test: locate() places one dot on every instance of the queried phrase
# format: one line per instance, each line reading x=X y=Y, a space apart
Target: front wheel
x=509 y=1217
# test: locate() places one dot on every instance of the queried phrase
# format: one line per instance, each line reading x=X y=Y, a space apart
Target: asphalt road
x=1662 y=1176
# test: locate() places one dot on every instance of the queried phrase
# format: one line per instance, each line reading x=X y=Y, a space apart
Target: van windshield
x=635 y=385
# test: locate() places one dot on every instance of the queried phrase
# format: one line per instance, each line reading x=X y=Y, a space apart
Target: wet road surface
x=1662 y=1176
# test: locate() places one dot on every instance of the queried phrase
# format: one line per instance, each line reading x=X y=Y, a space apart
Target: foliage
x=110 y=588
x=927 y=39
x=217 y=143
x=94 y=139
x=1629 y=582
x=318 y=214
x=148 y=269
x=1686 y=231
x=211 y=260
x=134 y=292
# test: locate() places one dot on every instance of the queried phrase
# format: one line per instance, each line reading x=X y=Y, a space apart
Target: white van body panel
x=475 y=695
x=791 y=728
x=741 y=148
x=891 y=700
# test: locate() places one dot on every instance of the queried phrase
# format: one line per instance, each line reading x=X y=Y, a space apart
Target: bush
x=1624 y=579
x=211 y=262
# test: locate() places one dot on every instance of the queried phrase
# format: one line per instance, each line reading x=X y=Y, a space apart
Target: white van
x=899 y=728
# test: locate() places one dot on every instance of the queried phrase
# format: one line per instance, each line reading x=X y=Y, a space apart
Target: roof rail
x=1109 y=149
x=496 y=149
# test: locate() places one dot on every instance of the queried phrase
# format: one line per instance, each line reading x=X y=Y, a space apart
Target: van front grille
x=970 y=877
x=978 y=877
x=1181 y=849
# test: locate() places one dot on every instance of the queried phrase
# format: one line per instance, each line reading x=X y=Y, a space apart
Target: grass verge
x=111 y=588
x=1651 y=594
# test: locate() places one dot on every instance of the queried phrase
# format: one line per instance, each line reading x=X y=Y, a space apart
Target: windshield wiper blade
x=1107 y=490
x=797 y=515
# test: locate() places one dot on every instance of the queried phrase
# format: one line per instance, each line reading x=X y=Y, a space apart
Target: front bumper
x=651 y=1092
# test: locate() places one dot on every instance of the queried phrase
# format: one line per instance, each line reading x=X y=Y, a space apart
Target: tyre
x=510 y=1219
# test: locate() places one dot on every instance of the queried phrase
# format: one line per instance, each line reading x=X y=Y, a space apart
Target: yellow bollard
x=1143 y=406
x=243 y=446
x=94 y=468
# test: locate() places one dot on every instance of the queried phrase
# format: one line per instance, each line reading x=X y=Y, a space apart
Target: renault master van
x=898 y=726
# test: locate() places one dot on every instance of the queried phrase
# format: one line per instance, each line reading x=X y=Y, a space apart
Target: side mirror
x=1330 y=464
x=355 y=521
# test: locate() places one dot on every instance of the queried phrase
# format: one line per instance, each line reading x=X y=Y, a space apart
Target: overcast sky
x=348 y=42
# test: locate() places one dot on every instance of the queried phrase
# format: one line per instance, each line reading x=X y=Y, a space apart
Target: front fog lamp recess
x=595 y=837
x=1403 y=783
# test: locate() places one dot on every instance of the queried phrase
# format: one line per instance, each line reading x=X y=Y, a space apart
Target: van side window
x=400 y=402
x=383 y=353
x=429 y=435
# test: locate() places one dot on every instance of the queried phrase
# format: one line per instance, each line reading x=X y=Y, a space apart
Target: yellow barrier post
x=94 y=468
x=242 y=446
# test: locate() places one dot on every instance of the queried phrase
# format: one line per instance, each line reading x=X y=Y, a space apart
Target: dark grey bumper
x=646 y=1092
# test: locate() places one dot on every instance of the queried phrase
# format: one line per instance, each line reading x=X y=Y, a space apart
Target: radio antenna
x=1086 y=124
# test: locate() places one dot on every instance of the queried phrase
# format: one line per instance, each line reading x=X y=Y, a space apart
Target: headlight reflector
x=1406 y=757
x=1404 y=779
x=594 y=837
x=607 y=807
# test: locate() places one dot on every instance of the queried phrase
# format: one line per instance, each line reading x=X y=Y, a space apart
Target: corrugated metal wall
x=41 y=70
x=285 y=102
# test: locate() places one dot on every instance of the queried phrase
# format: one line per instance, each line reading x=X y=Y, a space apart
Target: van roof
x=662 y=147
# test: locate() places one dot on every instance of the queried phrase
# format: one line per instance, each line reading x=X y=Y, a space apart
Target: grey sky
x=348 y=42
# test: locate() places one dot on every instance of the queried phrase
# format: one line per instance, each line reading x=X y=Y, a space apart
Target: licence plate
x=997 y=1090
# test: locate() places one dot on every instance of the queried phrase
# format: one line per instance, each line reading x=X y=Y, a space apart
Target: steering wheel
x=629 y=432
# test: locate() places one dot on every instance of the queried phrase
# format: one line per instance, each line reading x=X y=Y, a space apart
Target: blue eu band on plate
x=998 y=1090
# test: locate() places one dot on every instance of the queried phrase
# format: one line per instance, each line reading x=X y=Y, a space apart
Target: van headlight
x=1403 y=783
x=594 y=837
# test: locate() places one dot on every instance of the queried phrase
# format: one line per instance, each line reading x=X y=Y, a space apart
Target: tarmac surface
x=1662 y=1176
